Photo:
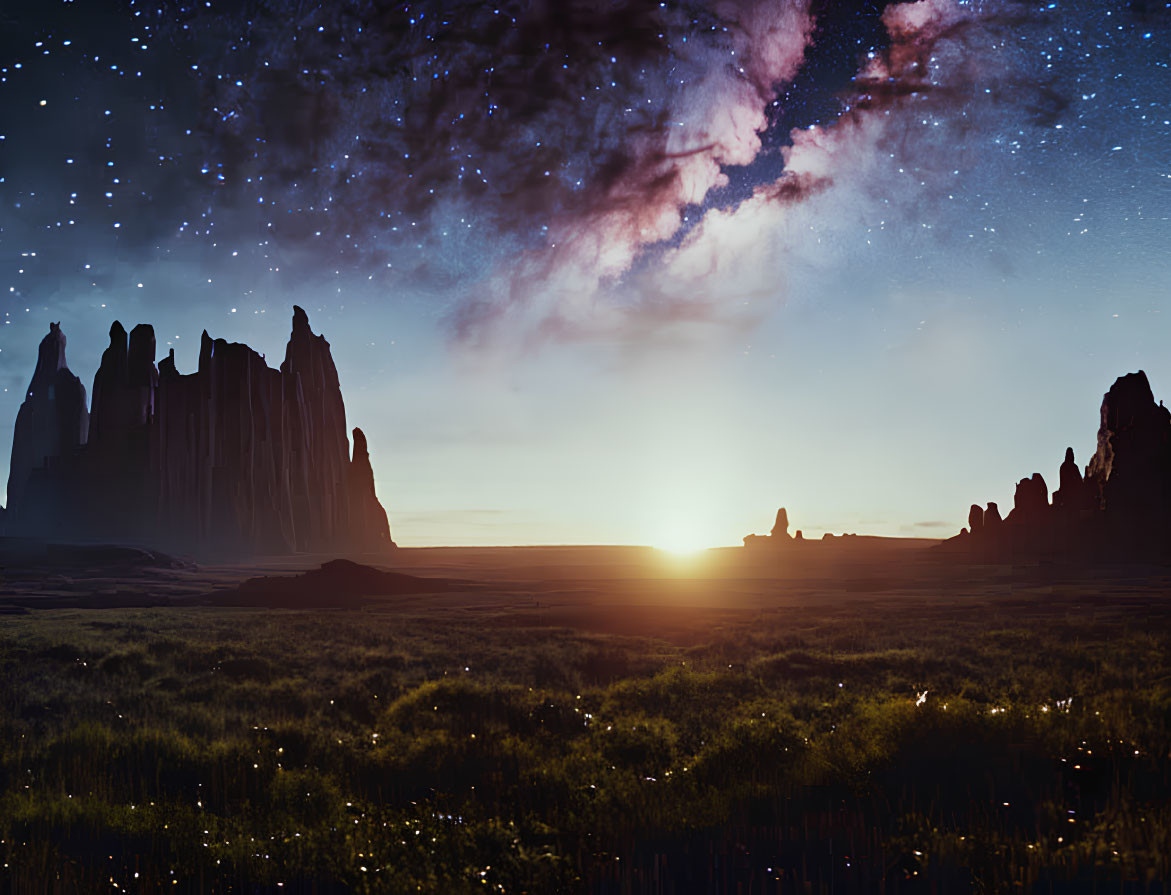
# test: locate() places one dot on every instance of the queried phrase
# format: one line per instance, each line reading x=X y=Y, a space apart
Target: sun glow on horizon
x=682 y=547
x=684 y=496
x=682 y=537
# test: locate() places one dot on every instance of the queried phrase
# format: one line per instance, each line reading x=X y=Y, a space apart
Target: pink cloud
x=714 y=122
x=731 y=266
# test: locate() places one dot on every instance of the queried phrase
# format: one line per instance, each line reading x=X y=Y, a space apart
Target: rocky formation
x=781 y=525
x=1069 y=493
x=236 y=458
x=992 y=518
x=976 y=519
x=1119 y=509
x=778 y=537
x=51 y=427
x=319 y=456
x=1030 y=503
x=367 y=517
x=1130 y=473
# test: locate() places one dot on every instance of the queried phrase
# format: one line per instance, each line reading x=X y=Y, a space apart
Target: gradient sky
x=617 y=272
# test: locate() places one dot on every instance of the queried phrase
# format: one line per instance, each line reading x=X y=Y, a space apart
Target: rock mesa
x=236 y=458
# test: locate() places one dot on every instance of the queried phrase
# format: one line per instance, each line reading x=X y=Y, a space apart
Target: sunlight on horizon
x=681 y=548
x=685 y=535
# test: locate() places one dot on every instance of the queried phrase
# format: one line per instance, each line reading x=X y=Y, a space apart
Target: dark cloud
x=366 y=116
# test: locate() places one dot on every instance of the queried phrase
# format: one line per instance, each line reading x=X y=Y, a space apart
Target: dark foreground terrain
x=598 y=720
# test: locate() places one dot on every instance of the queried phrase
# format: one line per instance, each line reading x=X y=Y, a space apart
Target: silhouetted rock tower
x=236 y=458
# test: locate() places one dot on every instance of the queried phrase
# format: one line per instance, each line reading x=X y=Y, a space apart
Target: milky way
x=523 y=173
x=576 y=135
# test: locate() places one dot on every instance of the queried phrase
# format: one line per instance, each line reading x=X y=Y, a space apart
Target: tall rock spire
x=369 y=528
x=319 y=454
x=51 y=427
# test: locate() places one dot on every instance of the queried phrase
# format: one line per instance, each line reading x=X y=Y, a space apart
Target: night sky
x=617 y=272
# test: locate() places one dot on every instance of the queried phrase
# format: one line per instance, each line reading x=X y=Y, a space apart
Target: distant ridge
x=234 y=459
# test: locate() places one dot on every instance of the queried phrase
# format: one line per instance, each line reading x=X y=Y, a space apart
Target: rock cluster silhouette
x=1119 y=509
x=780 y=539
x=235 y=458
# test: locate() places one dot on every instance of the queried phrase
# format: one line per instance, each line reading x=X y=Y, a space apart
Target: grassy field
x=1012 y=739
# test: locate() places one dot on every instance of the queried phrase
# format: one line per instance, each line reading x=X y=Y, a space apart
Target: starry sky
x=617 y=271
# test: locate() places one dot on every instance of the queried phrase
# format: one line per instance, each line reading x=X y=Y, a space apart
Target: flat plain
x=850 y=717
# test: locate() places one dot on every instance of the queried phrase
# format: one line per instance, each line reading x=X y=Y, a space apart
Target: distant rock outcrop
x=236 y=458
x=781 y=525
x=778 y=537
x=339 y=582
x=1119 y=509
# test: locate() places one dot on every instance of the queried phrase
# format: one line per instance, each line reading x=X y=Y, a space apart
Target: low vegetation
x=989 y=745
